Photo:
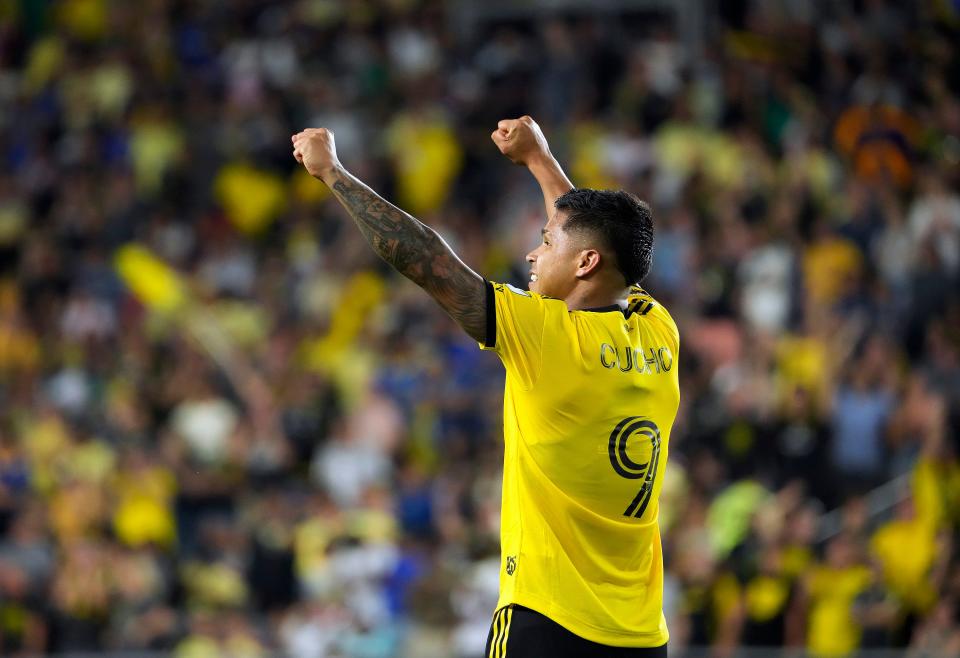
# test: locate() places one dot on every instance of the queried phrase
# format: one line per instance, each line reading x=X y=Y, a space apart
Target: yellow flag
x=151 y=280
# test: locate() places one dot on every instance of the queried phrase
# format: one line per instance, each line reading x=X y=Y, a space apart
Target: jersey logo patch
x=511 y=564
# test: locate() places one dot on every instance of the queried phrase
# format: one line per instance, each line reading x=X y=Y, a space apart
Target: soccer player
x=590 y=397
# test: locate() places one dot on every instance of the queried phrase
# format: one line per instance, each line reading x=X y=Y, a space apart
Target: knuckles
x=313 y=132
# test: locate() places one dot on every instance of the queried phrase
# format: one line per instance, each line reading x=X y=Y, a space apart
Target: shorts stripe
x=497 y=627
x=506 y=632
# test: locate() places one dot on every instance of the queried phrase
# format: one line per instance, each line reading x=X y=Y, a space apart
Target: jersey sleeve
x=515 y=323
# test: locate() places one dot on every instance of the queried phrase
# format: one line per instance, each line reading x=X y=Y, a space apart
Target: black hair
x=620 y=219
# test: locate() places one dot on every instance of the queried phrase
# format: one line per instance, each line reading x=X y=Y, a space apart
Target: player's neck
x=586 y=297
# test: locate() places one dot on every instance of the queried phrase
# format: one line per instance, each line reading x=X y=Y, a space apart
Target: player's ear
x=588 y=260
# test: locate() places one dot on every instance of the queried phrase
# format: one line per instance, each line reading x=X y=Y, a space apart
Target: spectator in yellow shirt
x=831 y=590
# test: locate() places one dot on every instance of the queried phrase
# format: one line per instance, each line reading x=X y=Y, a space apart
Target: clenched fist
x=521 y=140
x=315 y=149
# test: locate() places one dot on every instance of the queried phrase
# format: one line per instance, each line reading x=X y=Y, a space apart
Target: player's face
x=554 y=262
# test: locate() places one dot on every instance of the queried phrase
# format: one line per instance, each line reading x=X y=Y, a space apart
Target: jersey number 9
x=635 y=429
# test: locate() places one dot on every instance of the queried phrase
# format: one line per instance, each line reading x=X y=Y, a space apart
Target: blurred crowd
x=227 y=429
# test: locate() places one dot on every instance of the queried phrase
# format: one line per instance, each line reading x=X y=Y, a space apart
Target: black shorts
x=518 y=632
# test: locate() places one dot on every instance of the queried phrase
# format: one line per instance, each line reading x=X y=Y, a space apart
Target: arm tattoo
x=417 y=252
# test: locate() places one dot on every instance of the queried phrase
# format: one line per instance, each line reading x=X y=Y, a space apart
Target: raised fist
x=315 y=149
x=521 y=140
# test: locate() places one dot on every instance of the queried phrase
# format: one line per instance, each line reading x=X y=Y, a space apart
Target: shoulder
x=523 y=292
x=643 y=304
x=528 y=297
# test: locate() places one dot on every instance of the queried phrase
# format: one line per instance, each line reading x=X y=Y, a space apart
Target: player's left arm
x=407 y=244
x=524 y=143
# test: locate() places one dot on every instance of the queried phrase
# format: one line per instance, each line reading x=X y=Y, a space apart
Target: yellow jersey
x=589 y=401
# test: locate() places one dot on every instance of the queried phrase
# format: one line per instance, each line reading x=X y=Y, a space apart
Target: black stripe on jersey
x=491 y=337
x=640 y=306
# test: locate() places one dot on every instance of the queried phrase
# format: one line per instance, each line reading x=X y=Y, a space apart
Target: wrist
x=331 y=174
x=540 y=160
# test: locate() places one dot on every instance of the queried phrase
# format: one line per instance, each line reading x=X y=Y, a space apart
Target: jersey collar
x=634 y=291
x=607 y=309
x=604 y=309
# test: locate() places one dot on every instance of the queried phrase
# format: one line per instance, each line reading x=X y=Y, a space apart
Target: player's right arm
x=523 y=142
x=413 y=249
